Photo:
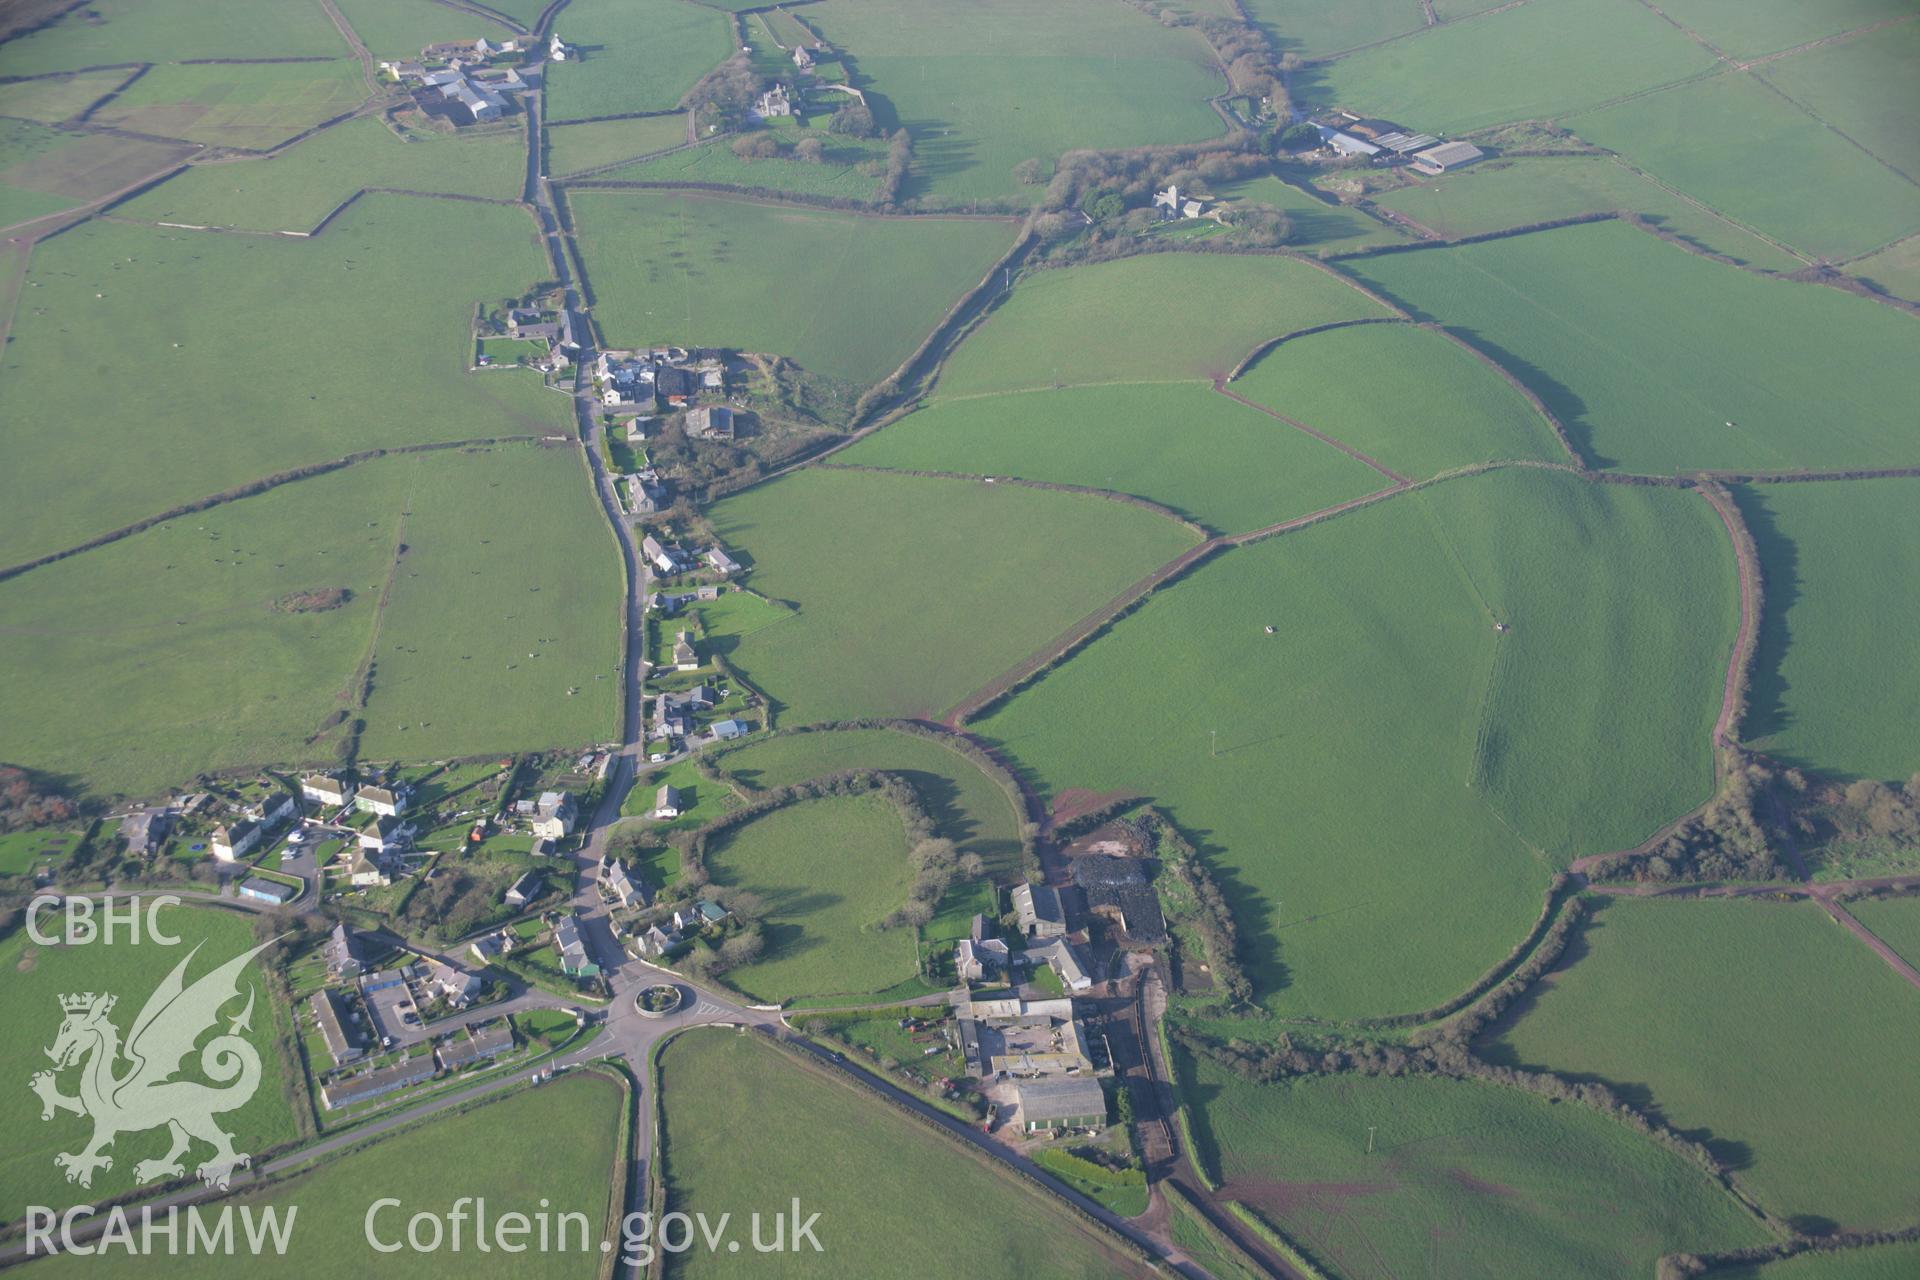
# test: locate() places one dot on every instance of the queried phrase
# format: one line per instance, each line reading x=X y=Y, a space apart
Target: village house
x=343 y=954
x=684 y=656
x=553 y=818
x=492 y=946
x=556 y=50
x=721 y=563
x=374 y=1084
x=457 y=985
x=803 y=58
x=272 y=807
x=669 y=802
x=698 y=915
x=525 y=889
x=1038 y=908
x=233 y=842
x=475 y=1042
x=342 y=1046
x=144 y=829
x=664 y=557
x=386 y=802
x=387 y=836
x=572 y=946
x=612 y=876
x=658 y=940
x=325 y=789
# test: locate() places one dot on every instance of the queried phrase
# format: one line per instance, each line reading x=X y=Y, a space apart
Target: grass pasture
x=982 y=85
x=914 y=592
x=857 y=293
x=402 y=28
x=47 y=171
x=1647 y=352
x=880 y=1181
x=1313 y=29
x=1422 y=406
x=142 y=663
x=250 y=383
x=715 y=162
x=1836 y=683
x=1187 y=316
x=1386 y=666
x=830 y=871
x=428 y=1168
x=295 y=189
x=1318 y=226
x=1895 y=269
x=1536 y=61
x=1464 y=1179
x=110 y=32
x=1679 y=137
x=1847 y=85
x=967 y=806
x=252 y=106
x=573 y=147
x=1781 y=1041
x=23 y=852
x=1179 y=444
x=29 y=1000
x=633 y=56
x=1498 y=194
x=1750 y=28
x=1895 y=921
x=51 y=99
x=1878 y=1262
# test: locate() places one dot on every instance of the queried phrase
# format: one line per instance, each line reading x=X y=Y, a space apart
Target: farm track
x=1747 y=570
x=354 y=42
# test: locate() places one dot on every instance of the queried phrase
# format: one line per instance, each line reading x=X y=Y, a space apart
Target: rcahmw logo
x=113 y=923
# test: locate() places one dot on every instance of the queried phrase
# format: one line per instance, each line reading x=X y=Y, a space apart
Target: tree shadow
x=1767 y=685
x=1561 y=400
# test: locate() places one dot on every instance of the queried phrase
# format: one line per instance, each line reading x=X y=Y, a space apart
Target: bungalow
x=728 y=730
x=525 y=889
x=325 y=789
x=685 y=658
x=386 y=802
x=473 y=1043
x=669 y=802
x=343 y=953
x=271 y=892
x=342 y=1046
x=721 y=563
x=567 y=940
x=374 y=1084
x=710 y=423
x=231 y=843
x=698 y=915
x=1039 y=911
x=457 y=985
x=490 y=947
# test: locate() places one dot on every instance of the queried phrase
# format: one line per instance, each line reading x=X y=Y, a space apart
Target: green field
x=107 y=32
x=633 y=56
x=294 y=190
x=1403 y=395
x=1880 y=1262
x=55 y=98
x=288 y=360
x=1647 y=352
x=1895 y=269
x=1387 y=693
x=573 y=147
x=981 y=85
x=29 y=1001
x=1844 y=85
x=967 y=807
x=1837 y=677
x=246 y=105
x=22 y=852
x=1781 y=1040
x=145 y=662
x=1539 y=60
x=885 y=1186
x=1178 y=444
x=1464 y=1179
x=856 y=294
x=48 y=171
x=1895 y=921
x=1318 y=226
x=1498 y=194
x=830 y=871
x=715 y=162
x=428 y=1169
x=914 y=592
x=401 y=28
x=1187 y=316
x=1313 y=28
x=1680 y=137
x=1749 y=28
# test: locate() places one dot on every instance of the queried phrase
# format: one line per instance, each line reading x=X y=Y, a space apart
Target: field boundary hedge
x=1111 y=495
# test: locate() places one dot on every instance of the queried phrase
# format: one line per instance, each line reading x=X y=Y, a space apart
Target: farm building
x=1039 y=910
x=1063 y=960
x=1447 y=156
x=1345 y=143
x=1071 y=1103
x=712 y=422
x=728 y=730
x=1402 y=143
x=1120 y=889
x=1024 y=1038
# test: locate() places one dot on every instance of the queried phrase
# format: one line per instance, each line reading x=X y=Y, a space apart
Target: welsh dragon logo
x=144 y=1094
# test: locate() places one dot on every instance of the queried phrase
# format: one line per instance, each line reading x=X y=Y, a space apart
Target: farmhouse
x=975 y=959
x=567 y=940
x=1447 y=157
x=669 y=802
x=773 y=104
x=710 y=423
x=343 y=953
x=1038 y=908
x=667 y=559
x=1069 y=1103
x=386 y=802
x=1021 y=1038
x=341 y=1047
x=325 y=789
x=271 y=892
x=237 y=841
x=524 y=890
x=803 y=58
x=374 y=1084
x=473 y=1043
